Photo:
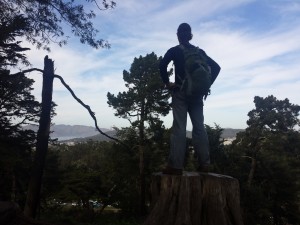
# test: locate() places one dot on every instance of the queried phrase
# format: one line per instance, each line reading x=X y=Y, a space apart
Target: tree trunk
x=34 y=187
x=142 y=162
x=13 y=187
x=194 y=199
x=252 y=171
x=142 y=182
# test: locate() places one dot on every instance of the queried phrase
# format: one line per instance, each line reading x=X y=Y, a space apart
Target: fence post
x=34 y=187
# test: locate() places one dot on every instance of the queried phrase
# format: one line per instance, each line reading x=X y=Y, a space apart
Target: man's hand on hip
x=170 y=86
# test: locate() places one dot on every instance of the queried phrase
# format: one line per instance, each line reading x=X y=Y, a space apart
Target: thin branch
x=89 y=110
x=78 y=100
x=23 y=121
x=105 y=7
x=95 y=1
x=28 y=71
x=132 y=114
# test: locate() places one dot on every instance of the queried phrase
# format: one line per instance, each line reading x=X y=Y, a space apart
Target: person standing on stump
x=184 y=102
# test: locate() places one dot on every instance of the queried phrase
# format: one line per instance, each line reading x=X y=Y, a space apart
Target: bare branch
x=78 y=100
x=28 y=71
x=89 y=110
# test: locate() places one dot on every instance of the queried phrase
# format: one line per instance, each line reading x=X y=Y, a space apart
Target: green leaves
x=145 y=98
x=267 y=157
x=273 y=114
x=142 y=104
x=46 y=21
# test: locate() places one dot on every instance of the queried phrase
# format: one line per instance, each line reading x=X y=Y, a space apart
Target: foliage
x=100 y=171
x=274 y=115
x=127 y=165
x=103 y=171
x=46 y=20
x=17 y=107
x=16 y=102
x=265 y=158
x=80 y=173
x=143 y=103
x=77 y=216
x=15 y=163
x=11 y=52
x=40 y=22
x=53 y=177
x=218 y=156
x=117 y=182
x=145 y=99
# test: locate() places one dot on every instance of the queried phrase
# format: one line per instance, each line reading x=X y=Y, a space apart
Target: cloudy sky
x=256 y=42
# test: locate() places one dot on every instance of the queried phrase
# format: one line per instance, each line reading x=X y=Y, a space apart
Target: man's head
x=184 y=33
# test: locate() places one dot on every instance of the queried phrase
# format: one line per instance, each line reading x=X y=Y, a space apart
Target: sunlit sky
x=256 y=42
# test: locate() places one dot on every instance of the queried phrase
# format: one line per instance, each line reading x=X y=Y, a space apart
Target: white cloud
x=253 y=62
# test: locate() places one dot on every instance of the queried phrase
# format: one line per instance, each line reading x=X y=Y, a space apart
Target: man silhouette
x=183 y=104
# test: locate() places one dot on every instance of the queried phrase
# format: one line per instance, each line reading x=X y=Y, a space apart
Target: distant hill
x=80 y=133
x=230 y=133
x=63 y=132
x=98 y=137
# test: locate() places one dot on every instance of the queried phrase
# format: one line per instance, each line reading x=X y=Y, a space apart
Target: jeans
x=181 y=106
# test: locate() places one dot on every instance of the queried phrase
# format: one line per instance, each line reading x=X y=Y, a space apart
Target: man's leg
x=178 y=135
x=199 y=135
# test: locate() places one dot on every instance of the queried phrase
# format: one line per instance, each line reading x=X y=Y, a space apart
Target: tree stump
x=194 y=199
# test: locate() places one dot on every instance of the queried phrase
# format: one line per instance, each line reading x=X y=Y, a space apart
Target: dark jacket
x=175 y=54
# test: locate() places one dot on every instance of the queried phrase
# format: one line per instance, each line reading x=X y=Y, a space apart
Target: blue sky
x=256 y=42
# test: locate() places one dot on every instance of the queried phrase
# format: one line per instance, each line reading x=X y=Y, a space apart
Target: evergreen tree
x=11 y=52
x=217 y=153
x=142 y=105
x=17 y=107
x=80 y=167
x=266 y=158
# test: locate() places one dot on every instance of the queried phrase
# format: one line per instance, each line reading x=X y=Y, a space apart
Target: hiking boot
x=172 y=171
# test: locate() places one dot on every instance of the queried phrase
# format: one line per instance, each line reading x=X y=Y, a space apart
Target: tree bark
x=252 y=171
x=142 y=181
x=194 y=199
x=34 y=187
x=142 y=161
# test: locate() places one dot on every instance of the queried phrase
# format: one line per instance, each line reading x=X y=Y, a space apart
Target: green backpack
x=198 y=78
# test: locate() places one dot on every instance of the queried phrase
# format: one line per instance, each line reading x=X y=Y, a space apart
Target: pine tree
x=142 y=104
x=266 y=157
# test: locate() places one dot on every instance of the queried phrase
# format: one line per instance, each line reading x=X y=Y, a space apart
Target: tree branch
x=89 y=110
x=78 y=100
x=28 y=71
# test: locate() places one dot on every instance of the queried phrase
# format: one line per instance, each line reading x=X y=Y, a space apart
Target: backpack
x=198 y=77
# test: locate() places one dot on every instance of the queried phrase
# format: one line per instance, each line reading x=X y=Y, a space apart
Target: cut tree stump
x=194 y=199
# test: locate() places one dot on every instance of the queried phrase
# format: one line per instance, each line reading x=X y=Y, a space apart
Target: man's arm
x=163 y=67
x=215 y=68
